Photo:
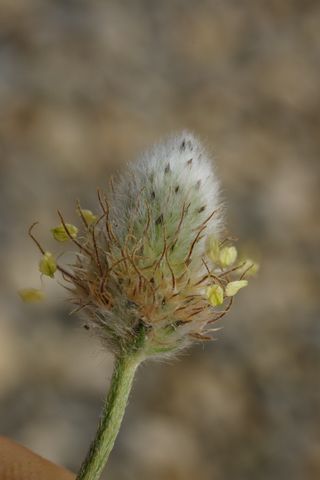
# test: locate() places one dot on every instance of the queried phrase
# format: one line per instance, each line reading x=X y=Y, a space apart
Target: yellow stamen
x=228 y=256
x=59 y=233
x=233 y=287
x=215 y=295
x=47 y=265
x=31 y=295
x=88 y=216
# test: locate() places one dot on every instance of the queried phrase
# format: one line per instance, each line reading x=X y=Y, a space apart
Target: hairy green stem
x=111 y=418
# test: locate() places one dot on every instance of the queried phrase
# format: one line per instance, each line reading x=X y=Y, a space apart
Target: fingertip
x=20 y=463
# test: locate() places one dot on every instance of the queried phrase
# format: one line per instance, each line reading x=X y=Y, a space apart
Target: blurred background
x=87 y=85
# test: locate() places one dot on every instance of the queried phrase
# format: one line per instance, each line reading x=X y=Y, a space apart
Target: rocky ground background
x=85 y=86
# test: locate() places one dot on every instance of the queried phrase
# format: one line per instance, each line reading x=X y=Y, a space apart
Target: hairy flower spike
x=152 y=269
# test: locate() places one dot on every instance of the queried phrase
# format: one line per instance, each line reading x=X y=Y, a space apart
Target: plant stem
x=111 y=418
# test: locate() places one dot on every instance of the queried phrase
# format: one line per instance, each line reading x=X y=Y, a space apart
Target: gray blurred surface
x=85 y=86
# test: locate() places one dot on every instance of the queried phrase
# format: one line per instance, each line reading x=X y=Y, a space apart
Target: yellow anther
x=227 y=256
x=213 y=250
x=59 y=233
x=215 y=295
x=88 y=216
x=233 y=287
x=47 y=264
x=31 y=295
x=249 y=267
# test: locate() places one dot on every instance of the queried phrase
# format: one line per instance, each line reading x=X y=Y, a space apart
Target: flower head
x=152 y=269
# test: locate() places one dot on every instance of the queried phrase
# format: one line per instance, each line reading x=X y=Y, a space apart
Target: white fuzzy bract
x=173 y=174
